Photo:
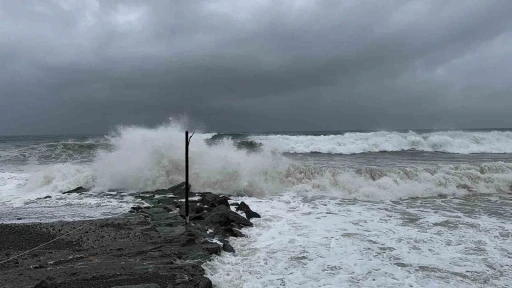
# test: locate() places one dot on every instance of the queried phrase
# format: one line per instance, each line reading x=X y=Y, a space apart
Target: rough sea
x=340 y=209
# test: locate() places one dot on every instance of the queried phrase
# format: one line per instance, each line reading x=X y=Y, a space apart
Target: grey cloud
x=87 y=66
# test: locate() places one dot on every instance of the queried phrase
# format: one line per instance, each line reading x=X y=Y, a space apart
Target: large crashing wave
x=145 y=159
x=462 y=142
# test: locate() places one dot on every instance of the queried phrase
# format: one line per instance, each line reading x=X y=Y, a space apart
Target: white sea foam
x=462 y=142
x=303 y=242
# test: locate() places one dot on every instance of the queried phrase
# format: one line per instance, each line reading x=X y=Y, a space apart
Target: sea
x=425 y=208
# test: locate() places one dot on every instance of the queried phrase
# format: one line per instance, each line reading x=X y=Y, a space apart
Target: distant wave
x=460 y=142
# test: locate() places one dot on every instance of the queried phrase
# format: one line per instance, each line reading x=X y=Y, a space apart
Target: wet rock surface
x=151 y=246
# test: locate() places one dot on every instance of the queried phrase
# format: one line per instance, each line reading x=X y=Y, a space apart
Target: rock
x=49 y=282
x=228 y=248
x=218 y=216
x=247 y=210
x=213 y=200
x=194 y=211
x=251 y=214
x=372 y=172
x=203 y=282
x=197 y=230
x=179 y=190
x=77 y=190
x=64 y=261
x=227 y=232
x=237 y=218
x=171 y=231
x=156 y=213
x=243 y=207
x=211 y=248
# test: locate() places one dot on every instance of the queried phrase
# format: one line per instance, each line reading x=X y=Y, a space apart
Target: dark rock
x=169 y=208
x=235 y=204
x=247 y=210
x=213 y=200
x=77 y=190
x=227 y=232
x=46 y=283
x=237 y=218
x=197 y=230
x=211 y=248
x=228 y=248
x=218 y=216
x=466 y=187
x=237 y=233
x=171 y=231
x=69 y=259
x=243 y=207
x=179 y=190
x=371 y=172
x=156 y=213
x=223 y=216
x=251 y=214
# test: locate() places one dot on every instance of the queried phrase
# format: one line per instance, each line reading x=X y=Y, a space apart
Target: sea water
x=339 y=209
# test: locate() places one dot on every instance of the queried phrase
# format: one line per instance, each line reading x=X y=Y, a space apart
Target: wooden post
x=187 y=140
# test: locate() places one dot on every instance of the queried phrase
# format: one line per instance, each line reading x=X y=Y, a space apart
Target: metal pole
x=186 y=177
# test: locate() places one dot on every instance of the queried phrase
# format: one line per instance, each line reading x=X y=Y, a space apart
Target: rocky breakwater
x=151 y=246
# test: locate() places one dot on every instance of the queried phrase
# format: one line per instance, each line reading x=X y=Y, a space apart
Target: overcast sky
x=86 y=66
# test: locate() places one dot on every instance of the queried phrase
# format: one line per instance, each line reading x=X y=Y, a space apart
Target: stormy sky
x=86 y=66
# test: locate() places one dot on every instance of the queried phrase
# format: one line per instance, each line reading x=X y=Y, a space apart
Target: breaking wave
x=460 y=142
x=144 y=159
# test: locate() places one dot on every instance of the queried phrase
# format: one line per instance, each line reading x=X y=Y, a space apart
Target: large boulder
x=218 y=216
x=247 y=210
x=179 y=190
x=49 y=282
x=223 y=216
x=238 y=219
x=77 y=190
x=213 y=200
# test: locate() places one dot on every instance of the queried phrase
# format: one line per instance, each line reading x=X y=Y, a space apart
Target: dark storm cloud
x=87 y=66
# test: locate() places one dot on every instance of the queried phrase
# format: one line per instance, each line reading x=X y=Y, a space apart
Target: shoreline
x=150 y=245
